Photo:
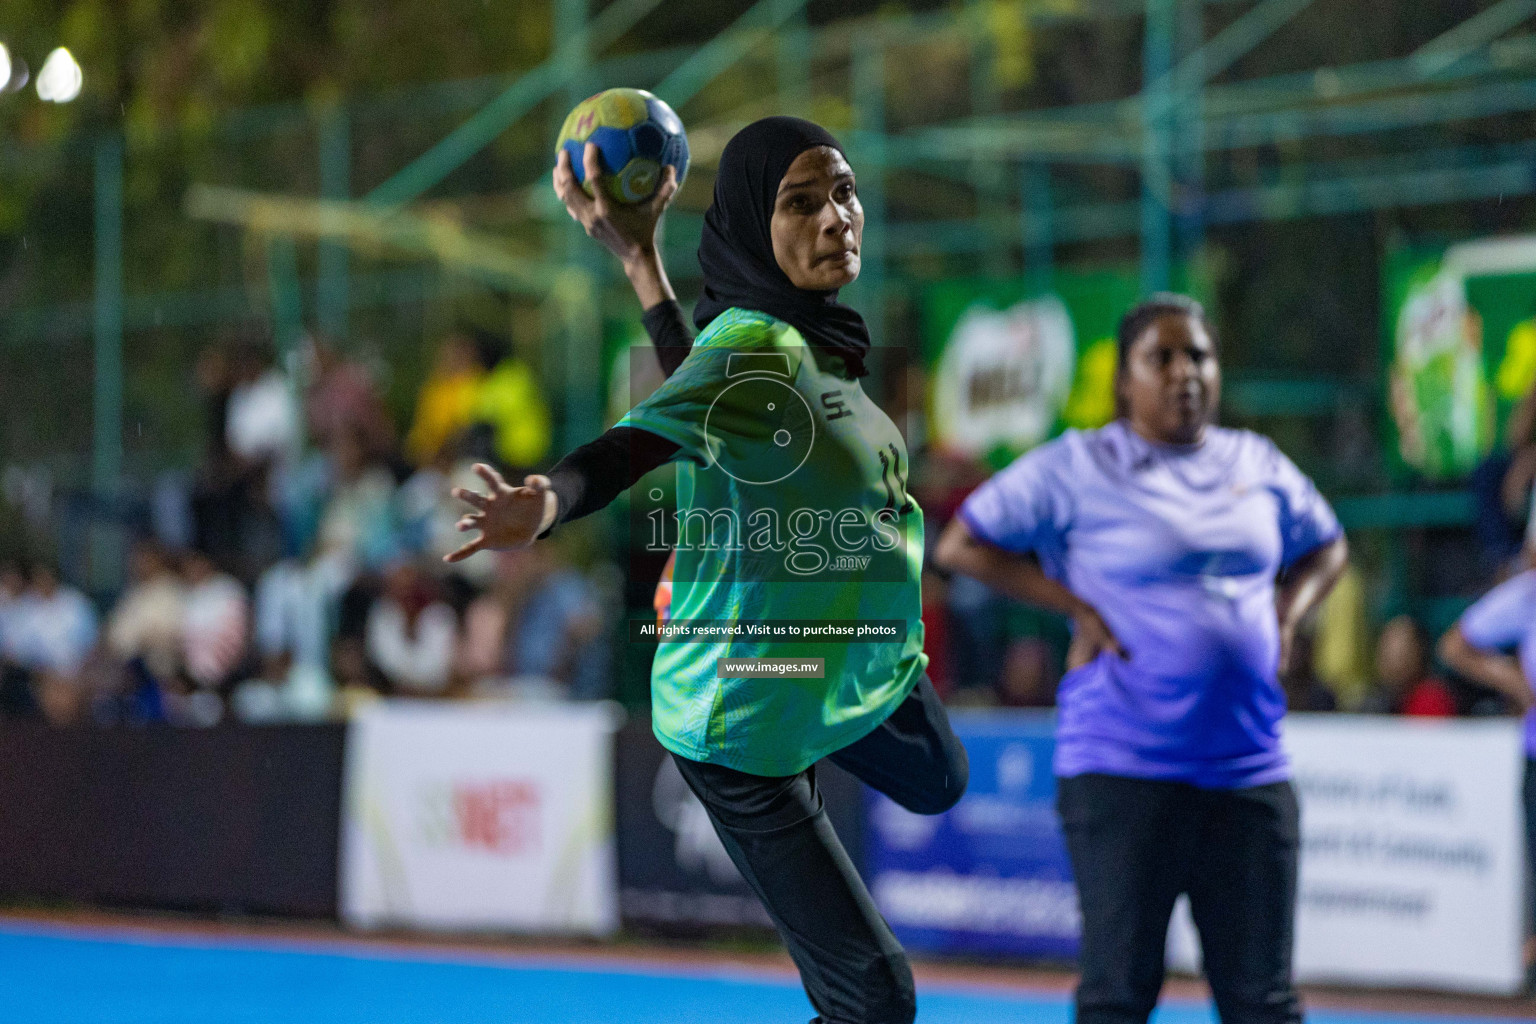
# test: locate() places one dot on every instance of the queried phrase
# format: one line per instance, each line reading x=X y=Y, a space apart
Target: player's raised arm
x=629 y=231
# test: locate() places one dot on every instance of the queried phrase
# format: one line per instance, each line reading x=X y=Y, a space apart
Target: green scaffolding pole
x=106 y=544
x=333 y=293
x=107 y=404
x=794 y=65
x=706 y=63
x=988 y=178
x=578 y=344
x=516 y=100
x=1189 y=159
x=1156 y=158
x=1037 y=226
x=287 y=296
x=869 y=114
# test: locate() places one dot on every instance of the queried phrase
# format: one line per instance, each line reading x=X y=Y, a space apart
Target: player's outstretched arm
x=505 y=516
x=628 y=230
x=581 y=483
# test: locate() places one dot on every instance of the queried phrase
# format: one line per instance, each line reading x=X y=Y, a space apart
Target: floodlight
x=59 y=80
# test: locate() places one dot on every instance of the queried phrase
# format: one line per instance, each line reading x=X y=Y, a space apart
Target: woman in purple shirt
x=1494 y=643
x=1185 y=555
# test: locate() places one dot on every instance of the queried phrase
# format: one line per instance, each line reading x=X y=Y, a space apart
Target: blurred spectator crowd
x=299 y=571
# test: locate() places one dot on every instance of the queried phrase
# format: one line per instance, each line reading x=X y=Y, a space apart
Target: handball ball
x=636 y=136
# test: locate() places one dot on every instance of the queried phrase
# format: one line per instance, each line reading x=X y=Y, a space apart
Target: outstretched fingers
x=461 y=553
x=469 y=497
x=493 y=479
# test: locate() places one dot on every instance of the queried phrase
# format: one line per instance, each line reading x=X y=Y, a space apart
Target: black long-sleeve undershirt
x=593 y=475
x=670 y=332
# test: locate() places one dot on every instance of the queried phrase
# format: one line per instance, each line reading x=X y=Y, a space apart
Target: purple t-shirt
x=1177 y=548
x=1505 y=618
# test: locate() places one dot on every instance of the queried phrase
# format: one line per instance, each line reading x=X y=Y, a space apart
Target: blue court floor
x=51 y=975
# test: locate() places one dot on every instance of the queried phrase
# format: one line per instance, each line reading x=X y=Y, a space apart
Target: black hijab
x=736 y=252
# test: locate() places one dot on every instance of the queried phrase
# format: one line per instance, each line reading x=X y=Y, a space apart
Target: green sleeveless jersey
x=792 y=513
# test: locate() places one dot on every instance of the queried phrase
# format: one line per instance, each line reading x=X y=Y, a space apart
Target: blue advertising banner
x=991 y=875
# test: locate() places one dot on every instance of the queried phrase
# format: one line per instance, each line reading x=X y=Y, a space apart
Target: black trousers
x=1135 y=845
x=775 y=829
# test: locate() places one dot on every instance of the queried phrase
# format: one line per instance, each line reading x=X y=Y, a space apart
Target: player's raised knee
x=938 y=798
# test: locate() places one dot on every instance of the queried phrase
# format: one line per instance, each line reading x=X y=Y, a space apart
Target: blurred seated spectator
x=428 y=515
x=291 y=621
x=935 y=614
x=538 y=632
x=145 y=627
x=412 y=633
x=298 y=601
x=216 y=630
x=358 y=523
x=293 y=617
x=978 y=634
x=15 y=686
x=1501 y=486
x=1404 y=685
x=1342 y=655
x=263 y=416
x=56 y=630
x=254 y=438
x=512 y=404
x=445 y=405
x=1303 y=690
x=342 y=396
x=1028 y=679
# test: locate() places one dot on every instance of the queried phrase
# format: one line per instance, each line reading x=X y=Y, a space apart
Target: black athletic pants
x=776 y=831
x=1135 y=845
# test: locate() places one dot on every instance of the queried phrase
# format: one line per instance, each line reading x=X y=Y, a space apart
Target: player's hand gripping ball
x=636 y=136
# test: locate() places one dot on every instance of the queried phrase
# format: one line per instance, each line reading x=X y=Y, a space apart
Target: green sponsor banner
x=1460 y=350
x=1011 y=367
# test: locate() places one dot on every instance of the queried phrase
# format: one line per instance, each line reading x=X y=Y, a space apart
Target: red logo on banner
x=500 y=817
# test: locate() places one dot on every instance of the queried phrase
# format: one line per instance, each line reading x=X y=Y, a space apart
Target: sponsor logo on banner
x=499 y=816
x=1004 y=377
x=674 y=871
x=990 y=875
x=480 y=816
x=698 y=848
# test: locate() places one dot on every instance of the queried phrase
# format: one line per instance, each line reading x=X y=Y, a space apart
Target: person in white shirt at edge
x=411 y=634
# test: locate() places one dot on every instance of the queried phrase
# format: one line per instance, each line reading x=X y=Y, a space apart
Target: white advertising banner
x=1412 y=870
x=480 y=816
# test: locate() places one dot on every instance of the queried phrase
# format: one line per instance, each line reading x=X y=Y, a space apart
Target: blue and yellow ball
x=636 y=136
